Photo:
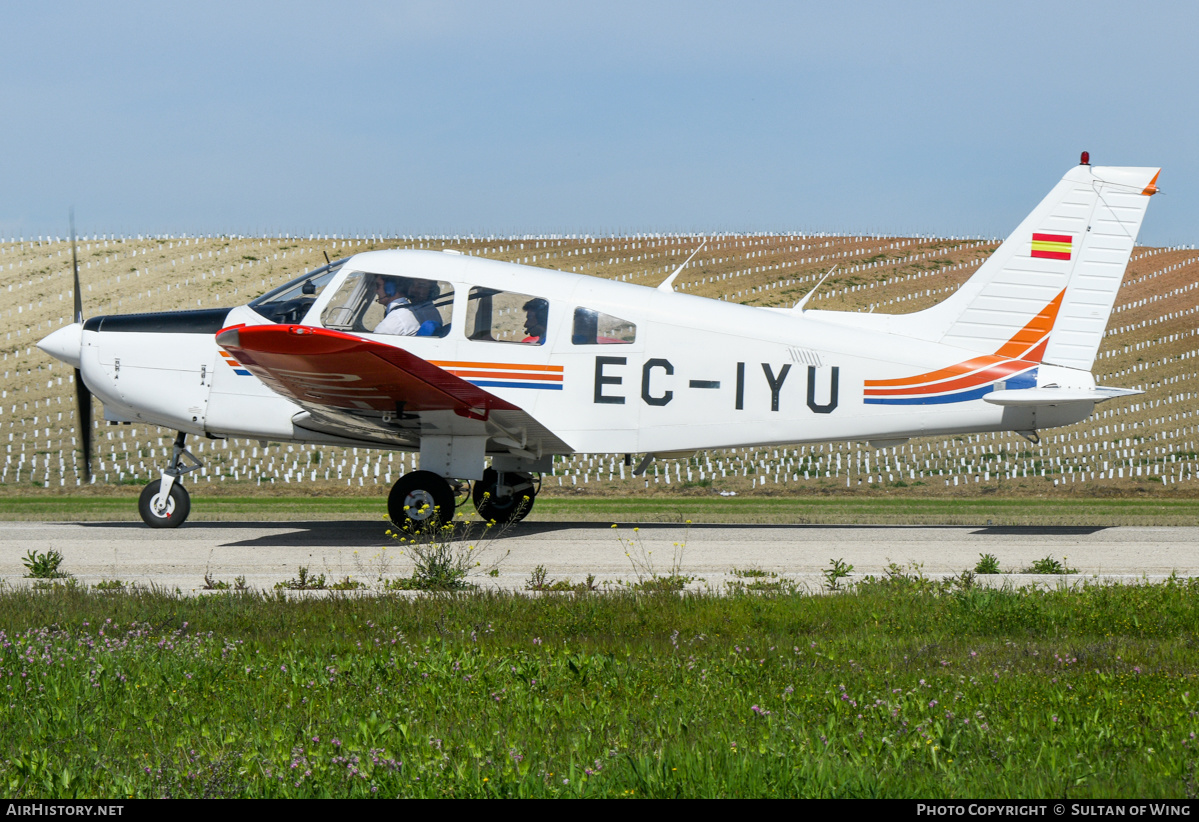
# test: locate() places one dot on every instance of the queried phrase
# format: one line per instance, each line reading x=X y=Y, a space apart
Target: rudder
x=1048 y=290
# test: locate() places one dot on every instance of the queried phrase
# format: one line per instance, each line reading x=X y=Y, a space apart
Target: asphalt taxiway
x=266 y=553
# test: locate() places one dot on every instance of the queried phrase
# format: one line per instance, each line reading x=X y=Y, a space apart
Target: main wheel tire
x=420 y=499
x=179 y=505
x=501 y=510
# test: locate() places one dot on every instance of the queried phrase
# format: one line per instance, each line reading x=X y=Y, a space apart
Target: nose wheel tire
x=501 y=510
x=420 y=499
x=172 y=514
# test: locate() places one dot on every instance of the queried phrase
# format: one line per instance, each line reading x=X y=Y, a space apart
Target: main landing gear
x=506 y=496
x=165 y=503
x=421 y=498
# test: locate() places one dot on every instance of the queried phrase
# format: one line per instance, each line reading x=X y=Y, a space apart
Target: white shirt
x=405 y=319
x=399 y=319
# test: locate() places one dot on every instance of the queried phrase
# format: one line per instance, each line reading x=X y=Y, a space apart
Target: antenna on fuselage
x=799 y=305
x=668 y=283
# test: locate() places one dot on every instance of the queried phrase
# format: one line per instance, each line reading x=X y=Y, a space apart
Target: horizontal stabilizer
x=1026 y=397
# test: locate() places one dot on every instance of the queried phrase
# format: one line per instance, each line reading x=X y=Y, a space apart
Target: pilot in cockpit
x=409 y=306
x=392 y=294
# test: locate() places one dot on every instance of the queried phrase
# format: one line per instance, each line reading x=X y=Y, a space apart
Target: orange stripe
x=1026 y=344
x=1017 y=345
x=507 y=375
x=992 y=374
x=1152 y=189
x=1037 y=353
x=944 y=373
x=451 y=364
x=1037 y=329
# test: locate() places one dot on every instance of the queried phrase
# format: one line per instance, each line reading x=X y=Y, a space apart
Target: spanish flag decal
x=1051 y=246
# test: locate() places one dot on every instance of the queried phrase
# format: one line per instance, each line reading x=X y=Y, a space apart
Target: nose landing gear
x=165 y=503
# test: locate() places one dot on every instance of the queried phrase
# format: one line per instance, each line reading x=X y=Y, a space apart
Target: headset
x=390 y=289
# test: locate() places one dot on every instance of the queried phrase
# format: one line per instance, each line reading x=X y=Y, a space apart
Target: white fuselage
x=700 y=374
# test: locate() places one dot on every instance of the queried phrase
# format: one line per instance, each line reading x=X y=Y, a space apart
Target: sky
x=945 y=118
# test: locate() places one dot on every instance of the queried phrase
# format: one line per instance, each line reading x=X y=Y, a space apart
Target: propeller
x=83 y=396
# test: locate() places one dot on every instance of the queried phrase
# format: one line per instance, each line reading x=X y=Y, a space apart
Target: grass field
x=899 y=688
x=831 y=510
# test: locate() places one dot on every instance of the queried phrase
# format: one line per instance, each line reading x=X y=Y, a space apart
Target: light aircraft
x=491 y=369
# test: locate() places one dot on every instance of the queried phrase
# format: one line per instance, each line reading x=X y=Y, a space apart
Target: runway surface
x=270 y=552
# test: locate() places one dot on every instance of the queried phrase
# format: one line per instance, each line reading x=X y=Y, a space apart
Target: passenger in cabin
x=537 y=313
x=586 y=327
x=422 y=293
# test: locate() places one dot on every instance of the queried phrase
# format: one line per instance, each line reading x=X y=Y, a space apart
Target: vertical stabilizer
x=1048 y=290
x=1122 y=195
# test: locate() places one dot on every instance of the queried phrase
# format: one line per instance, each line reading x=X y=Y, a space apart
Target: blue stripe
x=961 y=396
x=1028 y=379
x=240 y=371
x=498 y=384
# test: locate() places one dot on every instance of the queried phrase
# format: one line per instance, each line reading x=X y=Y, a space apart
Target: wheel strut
x=182 y=462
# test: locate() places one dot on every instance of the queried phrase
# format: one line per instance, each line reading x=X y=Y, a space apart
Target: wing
x=353 y=387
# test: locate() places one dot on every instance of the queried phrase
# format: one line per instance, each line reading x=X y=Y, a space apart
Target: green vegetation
x=755 y=580
x=539 y=580
x=987 y=564
x=303 y=581
x=838 y=570
x=1048 y=565
x=899 y=687
x=835 y=508
x=211 y=584
x=444 y=555
x=44 y=565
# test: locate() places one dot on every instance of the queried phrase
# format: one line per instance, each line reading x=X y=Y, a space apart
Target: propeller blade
x=83 y=396
x=75 y=272
x=83 y=413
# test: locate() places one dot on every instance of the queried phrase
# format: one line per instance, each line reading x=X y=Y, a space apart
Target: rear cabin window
x=506 y=316
x=593 y=327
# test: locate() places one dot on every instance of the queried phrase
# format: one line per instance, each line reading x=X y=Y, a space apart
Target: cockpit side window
x=289 y=303
x=593 y=327
x=389 y=304
x=506 y=316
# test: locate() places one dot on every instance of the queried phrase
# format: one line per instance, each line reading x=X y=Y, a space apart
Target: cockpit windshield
x=289 y=303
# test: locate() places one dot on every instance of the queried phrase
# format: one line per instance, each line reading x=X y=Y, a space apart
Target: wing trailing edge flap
x=358 y=388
